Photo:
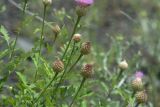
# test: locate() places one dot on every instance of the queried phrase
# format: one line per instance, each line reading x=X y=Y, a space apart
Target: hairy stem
x=73 y=32
x=77 y=92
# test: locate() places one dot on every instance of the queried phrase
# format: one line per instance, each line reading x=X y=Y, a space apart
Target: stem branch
x=44 y=90
x=77 y=92
x=74 y=30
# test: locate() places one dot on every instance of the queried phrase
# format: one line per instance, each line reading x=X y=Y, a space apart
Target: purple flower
x=84 y=3
x=139 y=74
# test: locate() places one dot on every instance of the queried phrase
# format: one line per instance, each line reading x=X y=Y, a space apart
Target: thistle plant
x=82 y=40
x=137 y=84
x=45 y=4
x=82 y=4
x=85 y=50
x=87 y=72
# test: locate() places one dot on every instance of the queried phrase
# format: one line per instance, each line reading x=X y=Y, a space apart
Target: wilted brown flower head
x=87 y=70
x=86 y=48
x=137 y=84
x=58 y=66
x=141 y=97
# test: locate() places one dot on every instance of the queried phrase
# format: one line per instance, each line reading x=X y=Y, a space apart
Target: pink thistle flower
x=84 y=3
x=139 y=74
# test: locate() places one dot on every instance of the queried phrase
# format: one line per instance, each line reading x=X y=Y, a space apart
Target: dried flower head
x=141 y=97
x=137 y=84
x=47 y=2
x=123 y=65
x=84 y=3
x=87 y=70
x=58 y=66
x=86 y=48
x=56 y=29
x=139 y=74
x=77 y=37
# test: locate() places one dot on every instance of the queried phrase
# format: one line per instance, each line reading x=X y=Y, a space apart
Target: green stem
x=24 y=7
x=133 y=93
x=14 y=45
x=75 y=63
x=42 y=32
x=41 y=38
x=74 y=30
x=44 y=90
x=55 y=38
x=69 y=60
x=137 y=105
x=77 y=92
x=114 y=83
x=119 y=75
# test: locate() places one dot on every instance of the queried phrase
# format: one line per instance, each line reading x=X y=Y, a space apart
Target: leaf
x=22 y=78
x=4 y=53
x=84 y=104
x=5 y=34
x=2 y=81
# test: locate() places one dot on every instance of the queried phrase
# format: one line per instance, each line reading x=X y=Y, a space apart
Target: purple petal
x=139 y=74
x=84 y=3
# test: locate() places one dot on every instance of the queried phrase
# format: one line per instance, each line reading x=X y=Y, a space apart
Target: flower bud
x=56 y=29
x=58 y=66
x=123 y=65
x=87 y=70
x=86 y=48
x=47 y=2
x=141 y=97
x=81 y=11
x=77 y=38
x=137 y=84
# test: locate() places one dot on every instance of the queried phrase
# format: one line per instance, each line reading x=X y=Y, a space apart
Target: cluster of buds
x=58 y=66
x=137 y=83
x=76 y=38
x=86 y=48
x=87 y=70
x=123 y=65
x=141 y=97
x=47 y=2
